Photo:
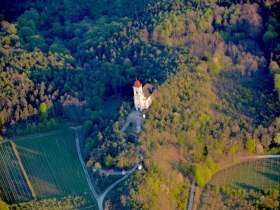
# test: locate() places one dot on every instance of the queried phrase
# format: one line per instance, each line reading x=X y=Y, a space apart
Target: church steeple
x=137 y=87
x=138 y=94
x=137 y=83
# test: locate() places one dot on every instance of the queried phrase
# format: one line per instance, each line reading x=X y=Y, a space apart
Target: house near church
x=143 y=96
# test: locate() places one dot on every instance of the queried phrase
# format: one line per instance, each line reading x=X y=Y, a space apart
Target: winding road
x=103 y=195
x=112 y=172
x=94 y=194
x=133 y=116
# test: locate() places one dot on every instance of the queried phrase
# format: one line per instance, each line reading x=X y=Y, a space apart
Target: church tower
x=138 y=95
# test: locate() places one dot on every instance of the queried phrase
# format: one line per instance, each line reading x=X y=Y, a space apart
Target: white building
x=143 y=97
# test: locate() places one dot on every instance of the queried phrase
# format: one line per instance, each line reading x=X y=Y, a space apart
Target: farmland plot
x=257 y=175
x=13 y=185
x=52 y=164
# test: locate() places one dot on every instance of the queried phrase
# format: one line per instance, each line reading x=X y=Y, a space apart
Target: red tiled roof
x=137 y=84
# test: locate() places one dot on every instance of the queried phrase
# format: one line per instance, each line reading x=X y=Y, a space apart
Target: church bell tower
x=138 y=95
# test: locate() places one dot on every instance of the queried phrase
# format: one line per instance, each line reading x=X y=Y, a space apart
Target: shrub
x=109 y=161
x=251 y=145
x=3 y=205
x=97 y=165
x=277 y=139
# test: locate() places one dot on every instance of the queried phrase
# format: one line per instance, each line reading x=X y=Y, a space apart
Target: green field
x=13 y=186
x=256 y=175
x=52 y=165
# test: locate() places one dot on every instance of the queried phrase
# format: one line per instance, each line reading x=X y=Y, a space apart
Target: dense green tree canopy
x=215 y=65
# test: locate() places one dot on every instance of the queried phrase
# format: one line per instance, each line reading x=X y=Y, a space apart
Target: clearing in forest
x=257 y=175
x=52 y=165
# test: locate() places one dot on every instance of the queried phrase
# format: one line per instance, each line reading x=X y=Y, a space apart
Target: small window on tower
x=136 y=92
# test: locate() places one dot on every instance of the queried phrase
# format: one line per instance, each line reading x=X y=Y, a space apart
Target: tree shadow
x=246 y=186
x=273 y=177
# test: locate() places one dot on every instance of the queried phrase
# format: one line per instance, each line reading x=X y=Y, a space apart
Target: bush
x=43 y=111
x=97 y=165
x=251 y=145
x=277 y=139
x=202 y=175
x=109 y=161
x=277 y=82
x=87 y=126
x=3 y=205
x=274 y=68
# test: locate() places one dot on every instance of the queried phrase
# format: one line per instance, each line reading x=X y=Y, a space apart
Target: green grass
x=52 y=165
x=256 y=175
x=13 y=186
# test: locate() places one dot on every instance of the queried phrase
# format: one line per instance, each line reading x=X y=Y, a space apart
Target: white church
x=143 y=97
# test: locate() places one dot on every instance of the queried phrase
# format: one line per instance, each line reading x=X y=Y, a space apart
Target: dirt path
x=14 y=147
x=36 y=135
x=261 y=157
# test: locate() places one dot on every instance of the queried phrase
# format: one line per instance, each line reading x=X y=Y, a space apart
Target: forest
x=215 y=65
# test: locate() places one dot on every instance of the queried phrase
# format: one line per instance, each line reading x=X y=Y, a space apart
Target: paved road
x=191 y=195
x=103 y=195
x=134 y=116
x=99 y=198
x=112 y=172
x=94 y=194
